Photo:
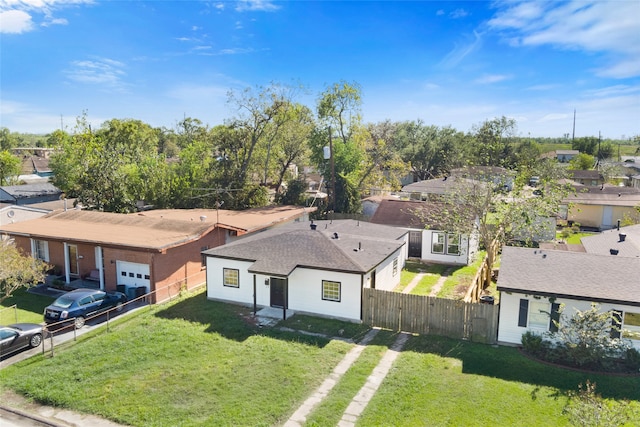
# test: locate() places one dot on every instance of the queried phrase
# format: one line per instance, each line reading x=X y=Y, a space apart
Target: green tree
x=582 y=161
x=9 y=140
x=480 y=208
x=340 y=127
x=17 y=270
x=493 y=143
x=10 y=167
x=587 y=145
x=429 y=150
x=108 y=169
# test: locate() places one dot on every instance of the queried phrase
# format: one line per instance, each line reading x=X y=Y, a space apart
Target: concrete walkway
x=361 y=400
x=300 y=416
x=436 y=288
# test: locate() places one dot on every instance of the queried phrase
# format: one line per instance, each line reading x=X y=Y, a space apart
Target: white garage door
x=133 y=274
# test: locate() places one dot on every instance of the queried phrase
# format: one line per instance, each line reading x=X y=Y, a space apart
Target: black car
x=82 y=303
x=19 y=336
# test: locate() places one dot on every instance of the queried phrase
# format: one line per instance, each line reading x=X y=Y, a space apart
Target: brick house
x=159 y=251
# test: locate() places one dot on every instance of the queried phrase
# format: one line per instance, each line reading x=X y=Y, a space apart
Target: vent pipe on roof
x=203 y=218
x=312 y=225
x=618 y=225
x=613 y=251
x=622 y=237
x=335 y=235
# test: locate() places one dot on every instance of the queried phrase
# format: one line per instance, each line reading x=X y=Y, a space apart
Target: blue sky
x=447 y=63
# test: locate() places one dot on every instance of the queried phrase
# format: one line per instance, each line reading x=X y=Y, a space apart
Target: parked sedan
x=19 y=336
x=82 y=303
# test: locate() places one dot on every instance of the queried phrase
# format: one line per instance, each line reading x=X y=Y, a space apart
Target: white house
x=427 y=239
x=317 y=267
x=535 y=283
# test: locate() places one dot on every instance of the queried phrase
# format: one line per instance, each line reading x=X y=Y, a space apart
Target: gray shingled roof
x=360 y=246
x=582 y=276
x=30 y=190
x=601 y=243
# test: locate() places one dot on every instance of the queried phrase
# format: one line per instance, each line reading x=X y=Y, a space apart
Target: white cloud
x=612 y=28
x=256 y=6
x=17 y=16
x=15 y=22
x=454 y=57
x=102 y=71
x=492 y=78
x=458 y=13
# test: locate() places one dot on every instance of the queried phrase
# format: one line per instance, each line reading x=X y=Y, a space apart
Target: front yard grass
x=195 y=362
x=29 y=310
x=438 y=381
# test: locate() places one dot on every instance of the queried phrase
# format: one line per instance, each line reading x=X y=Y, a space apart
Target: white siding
x=385 y=279
x=305 y=293
x=462 y=259
x=510 y=332
x=242 y=294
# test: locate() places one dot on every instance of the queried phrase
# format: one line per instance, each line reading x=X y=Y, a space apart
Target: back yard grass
x=195 y=362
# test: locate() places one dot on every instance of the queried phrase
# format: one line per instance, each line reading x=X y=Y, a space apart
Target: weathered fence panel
x=430 y=315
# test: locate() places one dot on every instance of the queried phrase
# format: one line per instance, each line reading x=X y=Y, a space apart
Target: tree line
x=256 y=149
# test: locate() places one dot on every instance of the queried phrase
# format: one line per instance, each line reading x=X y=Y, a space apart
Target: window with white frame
x=437 y=243
x=453 y=244
x=330 y=290
x=231 y=277
x=40 y=249
x=539 y=314
x=445 y=243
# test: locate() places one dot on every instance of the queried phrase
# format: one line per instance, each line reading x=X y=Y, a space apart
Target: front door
x=73 y=259
x=415 y=244
x=278 y=295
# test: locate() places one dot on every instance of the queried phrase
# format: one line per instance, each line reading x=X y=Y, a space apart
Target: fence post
x=400 y=319
x=51 y=345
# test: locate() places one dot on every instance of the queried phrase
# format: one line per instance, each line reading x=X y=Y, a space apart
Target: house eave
x=568 y=296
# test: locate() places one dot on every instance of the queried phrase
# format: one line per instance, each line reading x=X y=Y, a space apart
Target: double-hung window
x=40 y=249
x=445 y=243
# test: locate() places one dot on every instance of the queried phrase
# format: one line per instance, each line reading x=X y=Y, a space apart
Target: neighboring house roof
x=10 y=193
x=358 y=248
x=567 y=152
x=409 y=213
x=481 y=172
x=111 y=229
x=440 y=185
x=246 y=221
x=585 y=174
x=574 y=275
x=603 y=242
x=607 y=198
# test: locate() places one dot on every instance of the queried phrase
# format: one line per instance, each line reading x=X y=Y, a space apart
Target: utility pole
x=573 y=136
x=333 y=173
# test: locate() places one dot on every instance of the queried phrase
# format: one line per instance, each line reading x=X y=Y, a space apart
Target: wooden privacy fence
x=430 y=315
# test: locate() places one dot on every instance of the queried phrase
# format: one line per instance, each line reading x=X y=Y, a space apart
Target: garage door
x=133 y=274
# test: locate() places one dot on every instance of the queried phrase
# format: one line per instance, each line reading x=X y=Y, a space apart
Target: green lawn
x=29 y=307
x=441 y=382
x=574 y=238
x=196 y=362
x=460 y=276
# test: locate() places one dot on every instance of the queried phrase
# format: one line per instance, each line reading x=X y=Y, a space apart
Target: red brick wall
x=178 y=268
